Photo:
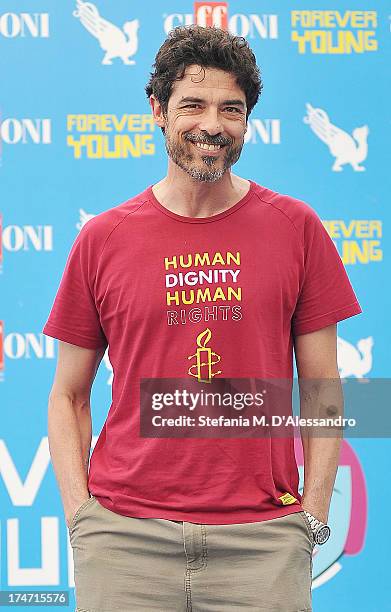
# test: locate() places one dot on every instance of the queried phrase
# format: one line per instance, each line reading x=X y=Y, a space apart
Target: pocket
x=308 y=526
x=79 y=511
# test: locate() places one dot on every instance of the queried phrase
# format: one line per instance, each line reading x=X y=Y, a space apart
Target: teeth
x=208 y=147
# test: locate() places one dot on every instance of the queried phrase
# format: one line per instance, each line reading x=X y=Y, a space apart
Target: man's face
x=205 y=123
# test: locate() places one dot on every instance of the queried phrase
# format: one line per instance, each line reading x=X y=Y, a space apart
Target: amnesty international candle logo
x=204 y=359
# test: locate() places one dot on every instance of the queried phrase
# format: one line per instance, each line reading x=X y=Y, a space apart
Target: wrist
x=320 y=530
x=318 y=509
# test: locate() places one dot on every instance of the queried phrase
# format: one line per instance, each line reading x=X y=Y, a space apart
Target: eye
x=191 y=105
x=237 y=110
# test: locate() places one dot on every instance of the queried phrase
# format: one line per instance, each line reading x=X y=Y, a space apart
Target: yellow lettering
x=170 y=262
x=376 y=228
x=364 y=252
x=219 y=294
x=218 y=258
x=119 y=125
x=192 y=296
x=295 y=17
x=134 y=123
x=148 y=122
x=148 y=146
x=76 y=144
x=231 y=258
x=237 y=294
x=342 y=21
x=201 y=259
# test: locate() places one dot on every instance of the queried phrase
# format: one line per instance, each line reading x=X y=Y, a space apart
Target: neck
x=185 y=196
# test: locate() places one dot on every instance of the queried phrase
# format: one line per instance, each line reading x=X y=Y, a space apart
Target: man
x=203 y=276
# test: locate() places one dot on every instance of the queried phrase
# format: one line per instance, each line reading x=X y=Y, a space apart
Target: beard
x=208 y=168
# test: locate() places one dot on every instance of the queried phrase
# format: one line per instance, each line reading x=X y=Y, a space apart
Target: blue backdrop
x=77 y=138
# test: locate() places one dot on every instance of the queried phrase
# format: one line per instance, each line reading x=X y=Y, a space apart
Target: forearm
x=321 y=445
x=70 y=432
x=321 y=457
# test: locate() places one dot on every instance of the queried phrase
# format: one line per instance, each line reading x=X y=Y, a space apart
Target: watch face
x=322 y=535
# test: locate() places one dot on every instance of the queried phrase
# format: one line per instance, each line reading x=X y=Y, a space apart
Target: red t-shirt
x=132 y=281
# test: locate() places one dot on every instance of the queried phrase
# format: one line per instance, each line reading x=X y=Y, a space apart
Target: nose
x=210 y=122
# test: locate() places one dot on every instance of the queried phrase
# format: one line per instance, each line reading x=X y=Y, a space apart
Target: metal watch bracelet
x=320 y=531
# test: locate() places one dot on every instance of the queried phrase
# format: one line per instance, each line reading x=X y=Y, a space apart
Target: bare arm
x=69 y=422
x=316 y=359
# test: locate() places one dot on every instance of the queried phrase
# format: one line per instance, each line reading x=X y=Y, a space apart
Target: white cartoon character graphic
x=354 y=361
x=84 y=217
x=345 y=148
x=109 y=367
x=112 y=39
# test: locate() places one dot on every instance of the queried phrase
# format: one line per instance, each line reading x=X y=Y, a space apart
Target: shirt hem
x=224 y=518
x=61 y=334
x=327 y=319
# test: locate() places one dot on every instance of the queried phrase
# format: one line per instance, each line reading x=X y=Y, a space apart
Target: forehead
x=208 y=82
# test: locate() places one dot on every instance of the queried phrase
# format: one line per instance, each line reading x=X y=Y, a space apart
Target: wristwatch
x=320 y=531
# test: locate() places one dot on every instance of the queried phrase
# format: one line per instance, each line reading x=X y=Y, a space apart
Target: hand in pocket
x=71 y=515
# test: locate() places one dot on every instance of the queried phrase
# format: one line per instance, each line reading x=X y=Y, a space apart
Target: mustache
x=219 y=140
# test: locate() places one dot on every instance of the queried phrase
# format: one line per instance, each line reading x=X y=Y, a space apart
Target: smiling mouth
x=207 y=147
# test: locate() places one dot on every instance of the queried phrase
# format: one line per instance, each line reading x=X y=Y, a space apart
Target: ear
x=157 y=111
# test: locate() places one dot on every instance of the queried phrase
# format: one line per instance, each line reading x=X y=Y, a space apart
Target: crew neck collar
x=152 y=198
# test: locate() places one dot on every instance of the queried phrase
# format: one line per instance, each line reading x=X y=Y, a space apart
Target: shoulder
x=99 y=227
x=298 y=212
x=294 y=208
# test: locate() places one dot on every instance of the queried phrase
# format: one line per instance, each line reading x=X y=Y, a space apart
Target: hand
x=70 y=514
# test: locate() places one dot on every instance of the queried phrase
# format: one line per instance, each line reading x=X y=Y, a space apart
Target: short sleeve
x=74 y=316
x=326 y=295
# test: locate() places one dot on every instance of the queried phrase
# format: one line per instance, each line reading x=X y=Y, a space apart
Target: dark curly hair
x=207 y=47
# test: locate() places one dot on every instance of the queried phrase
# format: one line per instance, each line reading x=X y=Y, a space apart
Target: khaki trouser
x=141 y=564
